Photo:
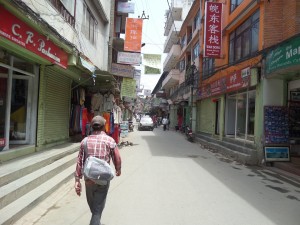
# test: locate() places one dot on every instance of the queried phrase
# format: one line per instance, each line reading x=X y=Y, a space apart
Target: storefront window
x=3 y=97
x=241 y=100
x=16 y=96
x=19 y=95
x=241 y=115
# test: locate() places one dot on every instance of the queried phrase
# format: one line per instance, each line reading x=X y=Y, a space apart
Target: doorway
x=240 y=114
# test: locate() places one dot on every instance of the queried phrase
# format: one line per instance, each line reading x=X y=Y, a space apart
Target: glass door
x=241 y=101
x=241 y=115
x=19 y=119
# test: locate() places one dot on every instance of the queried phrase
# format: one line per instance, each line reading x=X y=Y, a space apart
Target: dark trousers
x=96 y=198
x=165 y=126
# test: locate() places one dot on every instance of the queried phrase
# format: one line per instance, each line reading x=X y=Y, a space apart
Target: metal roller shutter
x=57 y=107
x=207 y=116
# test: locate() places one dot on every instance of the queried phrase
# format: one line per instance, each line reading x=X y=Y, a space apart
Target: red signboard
x=133 y=35
x=232 y=82
x=213 y=30
x=20 y=33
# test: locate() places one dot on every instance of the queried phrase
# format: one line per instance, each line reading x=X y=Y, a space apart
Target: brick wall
x=281 y=21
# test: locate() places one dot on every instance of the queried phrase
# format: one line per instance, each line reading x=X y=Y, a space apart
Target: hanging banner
x=137 y=77
x=151 y=70
x=18 y=32
x=213 y=30
x=129 y=58
x=122 y=70
x=152 y=63
x=128 y=88
x=133 y=35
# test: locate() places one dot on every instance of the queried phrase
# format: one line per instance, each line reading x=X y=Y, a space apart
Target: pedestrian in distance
x=165 y=122
x=100 y=145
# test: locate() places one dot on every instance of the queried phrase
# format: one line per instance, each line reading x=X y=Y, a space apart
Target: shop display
x=276 y=125
x=294 y=119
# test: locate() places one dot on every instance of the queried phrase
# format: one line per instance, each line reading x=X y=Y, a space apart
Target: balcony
x=171 y=79
x=173 y=36
x=172 y=58
x=173 y=15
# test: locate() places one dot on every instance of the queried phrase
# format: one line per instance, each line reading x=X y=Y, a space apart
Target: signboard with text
x=130 y=58
x=25 y=36
x=122 y=70
x=125 y=7
x=213 y=30
x=278 y=153
x=133 y=35
x=284 y=56
x=232 y=82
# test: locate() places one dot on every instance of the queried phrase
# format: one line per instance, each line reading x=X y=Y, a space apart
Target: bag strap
x=85 y=147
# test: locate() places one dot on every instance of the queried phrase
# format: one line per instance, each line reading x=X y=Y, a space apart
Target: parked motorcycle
x=189 y=134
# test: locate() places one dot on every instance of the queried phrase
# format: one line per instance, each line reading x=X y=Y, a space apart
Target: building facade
x=51 y=52
x=235 y=93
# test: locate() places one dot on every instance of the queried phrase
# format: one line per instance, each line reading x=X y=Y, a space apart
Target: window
x=197 y=20
x=183 y=41
x=234 y=4
x=196 y=51
x=243 y=42
x=208 y=67
x=182 y=65
x=66 y=9
x=69 y=5
x=89 y=25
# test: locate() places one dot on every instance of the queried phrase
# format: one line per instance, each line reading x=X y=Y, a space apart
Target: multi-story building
x=238 y=93
x=53 y=55
x=173 y=79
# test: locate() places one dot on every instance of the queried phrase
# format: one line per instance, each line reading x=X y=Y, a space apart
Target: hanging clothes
x=106 y=116
x=108 y=102
x=97 y=104
x=84 y=121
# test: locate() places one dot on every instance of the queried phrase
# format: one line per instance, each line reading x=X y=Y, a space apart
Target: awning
x=88 y=65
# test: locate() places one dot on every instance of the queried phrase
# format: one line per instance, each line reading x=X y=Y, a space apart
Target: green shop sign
x=284 y=56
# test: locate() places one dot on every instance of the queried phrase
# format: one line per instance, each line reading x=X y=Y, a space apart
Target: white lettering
x=29 y=37
x=13 y=29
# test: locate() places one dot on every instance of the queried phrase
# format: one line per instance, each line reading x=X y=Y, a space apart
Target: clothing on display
x=84 y=106
x=97 y=104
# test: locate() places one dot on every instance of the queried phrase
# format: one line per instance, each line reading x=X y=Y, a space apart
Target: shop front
x=282 y=95
x=18 y=101
x=26 y=59
x=228 y=106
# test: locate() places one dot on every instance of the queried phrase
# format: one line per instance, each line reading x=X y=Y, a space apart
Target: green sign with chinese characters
x=285 y=56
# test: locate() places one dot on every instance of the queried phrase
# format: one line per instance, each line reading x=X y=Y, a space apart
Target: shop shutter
x=206 y=116
x=57 y=106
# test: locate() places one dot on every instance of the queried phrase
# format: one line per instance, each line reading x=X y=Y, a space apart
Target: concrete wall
x=273 y=92
x=98 y=52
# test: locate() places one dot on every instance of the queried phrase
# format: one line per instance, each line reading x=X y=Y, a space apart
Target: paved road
x=168 y=181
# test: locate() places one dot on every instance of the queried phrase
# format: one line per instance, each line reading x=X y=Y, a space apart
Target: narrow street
x=167 y=180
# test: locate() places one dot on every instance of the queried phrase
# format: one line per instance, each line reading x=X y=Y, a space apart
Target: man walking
x=165 y=122
x=102 y=146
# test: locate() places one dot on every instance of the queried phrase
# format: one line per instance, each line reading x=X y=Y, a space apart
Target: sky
x=153 y=33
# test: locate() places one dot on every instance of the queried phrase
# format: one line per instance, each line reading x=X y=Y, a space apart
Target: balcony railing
x=63 y=11
x=184 y=88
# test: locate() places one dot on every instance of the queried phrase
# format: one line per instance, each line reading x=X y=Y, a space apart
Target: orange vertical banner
x=133 y=35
